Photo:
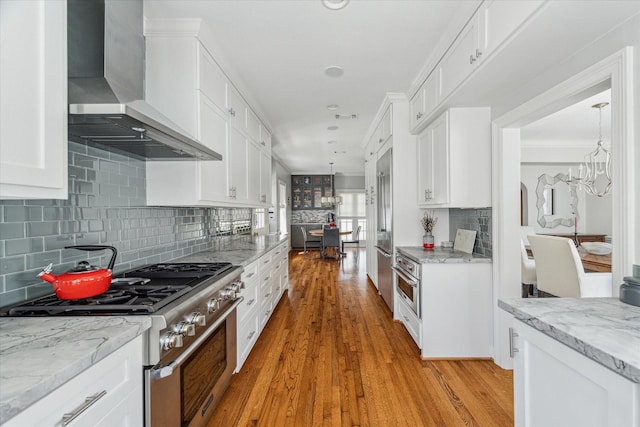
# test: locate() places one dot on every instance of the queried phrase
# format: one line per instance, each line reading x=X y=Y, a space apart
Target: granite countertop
x=605 y=330
x=238 y=250
x=439 y=255
x=35 y=360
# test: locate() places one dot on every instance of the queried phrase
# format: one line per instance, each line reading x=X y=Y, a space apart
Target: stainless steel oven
x=185 y=391
x=408 y=273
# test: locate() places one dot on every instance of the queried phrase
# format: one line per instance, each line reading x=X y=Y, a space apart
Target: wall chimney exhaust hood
x=106 y=53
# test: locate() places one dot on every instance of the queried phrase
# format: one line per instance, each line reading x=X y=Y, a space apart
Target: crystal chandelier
x=331 y=200
x=596 y=170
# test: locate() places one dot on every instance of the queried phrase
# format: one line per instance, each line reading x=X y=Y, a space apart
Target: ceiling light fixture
x=333 y=199
x=597 y=163
x=334 y=4
x=334 y=71
x=332 y=142
x=333 y=128
x=332 y=107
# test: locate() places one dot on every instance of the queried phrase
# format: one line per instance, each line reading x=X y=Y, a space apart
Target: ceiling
x=280 y=49
x=575 y=124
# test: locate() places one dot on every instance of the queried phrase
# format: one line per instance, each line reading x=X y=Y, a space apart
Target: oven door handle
x=167 y=370
x=406 y=278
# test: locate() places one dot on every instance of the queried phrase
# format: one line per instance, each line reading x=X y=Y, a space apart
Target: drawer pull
x=251 y=301
x=267 y=278
x=251 y=335
x=67 y=418
x=250 y=275
x=266 y=261
x=267 y=295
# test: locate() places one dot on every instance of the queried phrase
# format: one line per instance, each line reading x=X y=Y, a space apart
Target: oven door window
x=406 y=288
x=202 y=371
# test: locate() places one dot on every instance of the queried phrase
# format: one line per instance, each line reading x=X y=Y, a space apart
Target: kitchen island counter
x=37 y=355
x=440 y=255
x=605 y=330
x=238 y=250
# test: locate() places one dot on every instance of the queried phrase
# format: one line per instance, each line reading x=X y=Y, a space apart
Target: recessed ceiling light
x=340 y=152
x=334 y=4
x=332 y=107
x=332 y=142
x=334 y=71
x=333 y=128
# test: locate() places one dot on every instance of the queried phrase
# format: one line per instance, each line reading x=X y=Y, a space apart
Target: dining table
x=320 y=233
x=590 y=262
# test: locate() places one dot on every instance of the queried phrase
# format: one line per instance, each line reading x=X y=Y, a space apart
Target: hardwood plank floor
x=331 y=355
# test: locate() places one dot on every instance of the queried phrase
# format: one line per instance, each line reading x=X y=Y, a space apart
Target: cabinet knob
x=419 y=116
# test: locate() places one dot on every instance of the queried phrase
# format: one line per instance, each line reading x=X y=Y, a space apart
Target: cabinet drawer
x=410 y=321
x=247 y=336
x=250 y=294
x=250 y=271
x=119 y=375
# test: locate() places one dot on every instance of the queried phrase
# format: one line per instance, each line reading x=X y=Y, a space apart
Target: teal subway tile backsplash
x=106 y=205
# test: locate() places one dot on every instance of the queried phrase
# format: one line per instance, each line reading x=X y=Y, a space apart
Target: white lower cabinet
x=107 y=394
x=410 y=321
x=555 y=385
x=456 y=311
x=265 y=281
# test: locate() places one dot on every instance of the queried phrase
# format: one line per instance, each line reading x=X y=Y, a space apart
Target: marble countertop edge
x=606 y=336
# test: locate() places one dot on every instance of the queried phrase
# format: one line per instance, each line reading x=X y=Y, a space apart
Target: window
x=352 y=212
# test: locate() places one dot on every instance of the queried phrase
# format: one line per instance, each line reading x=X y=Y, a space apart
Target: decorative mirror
x=557 y=201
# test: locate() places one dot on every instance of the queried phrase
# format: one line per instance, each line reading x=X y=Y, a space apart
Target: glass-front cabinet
x=307 y=191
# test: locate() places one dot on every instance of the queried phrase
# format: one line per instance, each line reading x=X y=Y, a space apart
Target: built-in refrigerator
x=384 y=234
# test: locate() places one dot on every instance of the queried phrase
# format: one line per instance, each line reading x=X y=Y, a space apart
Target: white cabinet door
x=499 y=19
x=265 y=139
x=253 y=125
x=460 y=60
x=416 y=108
x=113 y=385
x=238 y=166
x=253 y=173
x=213 y=128
x=33 y=105
x=433 y=163
x=555 y=385
x=237 y=109
x=265 y=178
x=211 y=79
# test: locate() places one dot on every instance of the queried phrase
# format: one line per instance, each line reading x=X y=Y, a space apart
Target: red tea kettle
x=84 y=280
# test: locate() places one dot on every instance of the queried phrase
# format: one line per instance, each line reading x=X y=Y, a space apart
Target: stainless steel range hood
x=106 y=53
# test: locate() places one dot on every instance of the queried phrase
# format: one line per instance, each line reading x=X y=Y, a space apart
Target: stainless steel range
x=191 y=346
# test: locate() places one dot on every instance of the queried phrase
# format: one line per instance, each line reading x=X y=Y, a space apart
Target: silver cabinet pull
x=512 y=349
x=88 y=402
x=472 y=59
x=250 y=302
x=478 y=53
x=251 y=335
x=250 y=275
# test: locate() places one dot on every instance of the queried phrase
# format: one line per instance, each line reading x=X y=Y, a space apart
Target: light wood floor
x=331 y=355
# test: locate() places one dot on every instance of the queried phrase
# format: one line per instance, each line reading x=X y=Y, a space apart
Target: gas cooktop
x=142 y=290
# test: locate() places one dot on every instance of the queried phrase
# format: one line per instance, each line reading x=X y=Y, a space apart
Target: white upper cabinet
x=265 y=139
x=33 y=105
x=237 y=109
x=207 y=106
x=265 y=178
x=454 y=160
x=489 y=28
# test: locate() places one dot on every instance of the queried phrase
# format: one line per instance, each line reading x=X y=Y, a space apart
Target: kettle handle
x=112 y=261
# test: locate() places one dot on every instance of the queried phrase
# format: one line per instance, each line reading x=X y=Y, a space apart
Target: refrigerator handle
x=383 y=251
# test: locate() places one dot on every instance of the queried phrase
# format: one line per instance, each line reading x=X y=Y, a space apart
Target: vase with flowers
x=428 y=221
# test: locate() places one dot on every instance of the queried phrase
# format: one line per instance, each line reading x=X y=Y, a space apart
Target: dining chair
x=307 y=242
x=527 y=265
x=355 y=238
x=559 y=270
x=331 y=239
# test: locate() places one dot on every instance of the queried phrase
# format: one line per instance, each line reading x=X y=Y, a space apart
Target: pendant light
x=331 y=200
x=597 y=164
